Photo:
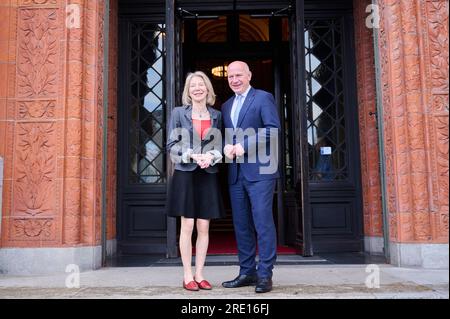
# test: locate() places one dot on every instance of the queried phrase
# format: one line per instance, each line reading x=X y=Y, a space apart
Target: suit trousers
x=254 y=226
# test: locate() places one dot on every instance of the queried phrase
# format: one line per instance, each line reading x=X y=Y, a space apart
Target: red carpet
x=225 y=244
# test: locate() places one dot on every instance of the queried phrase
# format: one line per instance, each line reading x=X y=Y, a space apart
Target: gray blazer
x=183 y=140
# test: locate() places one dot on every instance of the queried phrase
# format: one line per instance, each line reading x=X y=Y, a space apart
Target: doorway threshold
x=211 y=260
x=350 y=258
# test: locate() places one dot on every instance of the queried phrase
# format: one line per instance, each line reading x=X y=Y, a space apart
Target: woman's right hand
x=203 y=160
x=195 y=157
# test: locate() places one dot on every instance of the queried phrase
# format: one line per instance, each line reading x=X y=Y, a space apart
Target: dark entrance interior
x=210 y=43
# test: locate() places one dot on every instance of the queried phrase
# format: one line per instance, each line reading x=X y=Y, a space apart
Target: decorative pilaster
x=52 y=124
x=34 y=215
x=111 y=178
x=413 y=41
x=370 y=160
x=72 y=157
x=84 y=132
x=436 y=48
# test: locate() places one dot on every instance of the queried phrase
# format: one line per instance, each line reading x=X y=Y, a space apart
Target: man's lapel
x=247 y=104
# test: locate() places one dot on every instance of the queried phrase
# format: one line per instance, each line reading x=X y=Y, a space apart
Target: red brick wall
x=112 y=121
x=51 y=130
x=413 y=43
x=52 y=127
x=370 y=160
x=7 y=66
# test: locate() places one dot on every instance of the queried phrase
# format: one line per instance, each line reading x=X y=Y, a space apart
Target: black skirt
x=195 y=194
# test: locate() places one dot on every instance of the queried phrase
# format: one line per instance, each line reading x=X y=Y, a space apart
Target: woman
x=195 y=146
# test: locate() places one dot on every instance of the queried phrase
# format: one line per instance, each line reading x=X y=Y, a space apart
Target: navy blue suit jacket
x=259 y=113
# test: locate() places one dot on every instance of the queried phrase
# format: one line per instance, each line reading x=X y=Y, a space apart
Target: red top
x=202 y=127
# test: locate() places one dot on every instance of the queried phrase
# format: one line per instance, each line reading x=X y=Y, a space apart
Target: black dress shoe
x=263 y=285
x=240 y=281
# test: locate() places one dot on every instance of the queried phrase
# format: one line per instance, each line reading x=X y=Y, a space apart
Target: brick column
x=370 y=159
x=413 y=44
x=53 y=92
x=111 y=177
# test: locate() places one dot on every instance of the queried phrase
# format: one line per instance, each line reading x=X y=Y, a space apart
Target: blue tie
x=239 y=101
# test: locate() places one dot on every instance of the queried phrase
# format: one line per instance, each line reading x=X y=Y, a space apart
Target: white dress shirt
x=244 y=96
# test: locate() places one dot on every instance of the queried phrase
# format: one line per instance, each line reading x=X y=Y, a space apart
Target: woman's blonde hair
x=210 y=97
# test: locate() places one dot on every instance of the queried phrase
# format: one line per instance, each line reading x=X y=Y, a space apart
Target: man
x=251 y=187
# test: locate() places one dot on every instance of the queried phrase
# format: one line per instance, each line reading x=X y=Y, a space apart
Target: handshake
x=231 y=151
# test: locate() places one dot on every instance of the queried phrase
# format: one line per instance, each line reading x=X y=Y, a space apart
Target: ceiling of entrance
x=229 y=5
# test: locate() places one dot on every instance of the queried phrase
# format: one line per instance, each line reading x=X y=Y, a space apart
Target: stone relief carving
x=442 y=156
x=438 y=36
x=443 y=221
x=39 y=2
x=38 y=48
x=384 y=45
x=36 y=109
x=32 y=228
x=437 y=25
x=35 y=168
x=440 y=103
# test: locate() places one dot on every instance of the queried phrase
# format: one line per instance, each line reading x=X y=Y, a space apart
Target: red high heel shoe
x=204 y=284
x=191 y=286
